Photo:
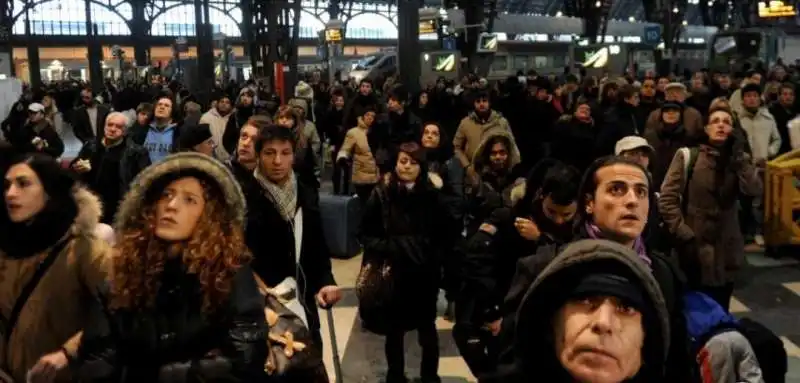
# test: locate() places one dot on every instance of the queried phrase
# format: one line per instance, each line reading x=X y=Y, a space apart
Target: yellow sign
x=333 y=35
x=775 y=9
x=427 y=27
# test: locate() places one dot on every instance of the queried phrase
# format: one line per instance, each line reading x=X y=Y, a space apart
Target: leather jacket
x=175 y=341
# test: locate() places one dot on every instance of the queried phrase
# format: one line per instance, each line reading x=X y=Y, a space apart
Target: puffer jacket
x=176 y=340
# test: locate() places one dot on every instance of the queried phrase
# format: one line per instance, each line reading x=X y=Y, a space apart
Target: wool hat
x=194 y=135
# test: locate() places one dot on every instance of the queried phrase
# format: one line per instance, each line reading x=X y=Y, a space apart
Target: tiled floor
x=769 y=293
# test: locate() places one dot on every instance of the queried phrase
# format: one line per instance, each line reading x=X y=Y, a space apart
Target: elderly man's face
x=599 y=339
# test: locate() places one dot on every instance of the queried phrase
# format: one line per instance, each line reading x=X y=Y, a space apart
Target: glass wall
x=176 y=18
x=69 y=18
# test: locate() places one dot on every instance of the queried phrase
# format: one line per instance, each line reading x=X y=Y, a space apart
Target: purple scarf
x=594 y=232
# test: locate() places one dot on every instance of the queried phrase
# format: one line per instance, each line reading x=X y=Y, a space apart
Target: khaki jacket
x=57 y=310
x=356 y=147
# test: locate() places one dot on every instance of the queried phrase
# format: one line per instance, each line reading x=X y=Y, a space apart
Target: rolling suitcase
x=341 y=215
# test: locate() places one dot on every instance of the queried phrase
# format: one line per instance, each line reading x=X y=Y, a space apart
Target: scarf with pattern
x=283 y=196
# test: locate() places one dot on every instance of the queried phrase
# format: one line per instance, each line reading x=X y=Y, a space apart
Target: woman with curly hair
x=182 y=304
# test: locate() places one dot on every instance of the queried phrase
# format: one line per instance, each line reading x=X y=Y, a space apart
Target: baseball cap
x=631 y=143
x=36 y=107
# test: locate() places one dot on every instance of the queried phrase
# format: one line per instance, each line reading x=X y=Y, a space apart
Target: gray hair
x=121 y=115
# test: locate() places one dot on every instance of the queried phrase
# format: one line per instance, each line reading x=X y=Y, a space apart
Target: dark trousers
x=720 y=294
x=396 y=353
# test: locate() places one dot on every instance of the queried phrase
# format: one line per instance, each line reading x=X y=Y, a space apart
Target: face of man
x=599 y=339
x=115 y=128
x=276 y=159
x=621 y=202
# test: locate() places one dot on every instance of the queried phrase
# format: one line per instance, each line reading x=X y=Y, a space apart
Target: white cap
x=631 y=143
x=36 y=107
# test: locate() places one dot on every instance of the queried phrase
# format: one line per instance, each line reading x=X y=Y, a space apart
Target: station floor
x=769 y=292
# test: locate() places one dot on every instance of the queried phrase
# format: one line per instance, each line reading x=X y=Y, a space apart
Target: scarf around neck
x=594 y=232
x=283 y=196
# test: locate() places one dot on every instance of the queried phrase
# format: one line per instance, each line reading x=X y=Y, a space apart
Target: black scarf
x=22 y=240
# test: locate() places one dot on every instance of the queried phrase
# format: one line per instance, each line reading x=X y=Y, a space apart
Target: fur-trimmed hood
x=481 y=156
x=178 y=163
x=90 y=209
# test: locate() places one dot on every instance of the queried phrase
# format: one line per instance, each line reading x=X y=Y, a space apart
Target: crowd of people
x=584 y=229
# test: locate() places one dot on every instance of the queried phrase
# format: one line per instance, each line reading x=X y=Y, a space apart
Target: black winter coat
x=271 y=240
x=409 y=229
x=175 y=341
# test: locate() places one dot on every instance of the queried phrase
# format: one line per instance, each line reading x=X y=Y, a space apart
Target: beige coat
x=472 y=133
x=356 y=147
x=56 y=311
x=711 y=221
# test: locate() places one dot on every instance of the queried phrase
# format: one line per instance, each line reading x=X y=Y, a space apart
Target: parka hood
x=186 y=162
x=547 y=294
x=479 y=161
x=90 y=209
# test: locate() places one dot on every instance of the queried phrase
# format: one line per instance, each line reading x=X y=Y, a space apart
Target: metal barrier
x=782 y=200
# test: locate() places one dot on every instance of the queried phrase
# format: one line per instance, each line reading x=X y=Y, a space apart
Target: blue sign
x=652 y=34
x=449 y=43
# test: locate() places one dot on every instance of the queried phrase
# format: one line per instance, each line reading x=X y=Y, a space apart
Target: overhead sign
x=775 y=9
x=445 y=63
x=652 y=34
x=333 y=35
x=600 y=57
x=427 y=27
x=487 y=43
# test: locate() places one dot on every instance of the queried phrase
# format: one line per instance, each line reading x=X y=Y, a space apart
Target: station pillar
x=408 y=52
x=94 y=52
x=6 y=26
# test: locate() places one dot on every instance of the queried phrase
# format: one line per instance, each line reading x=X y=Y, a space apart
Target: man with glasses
x=108 y=165
x=37 y=134
x=88 y=119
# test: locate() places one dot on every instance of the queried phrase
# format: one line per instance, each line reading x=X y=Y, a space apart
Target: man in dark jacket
x=109 y=165
x=284 y=228
x=542 y=212
x=88 y=119
x=619 y=198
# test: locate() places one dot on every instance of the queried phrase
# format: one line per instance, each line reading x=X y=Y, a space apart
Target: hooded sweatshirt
x=533 y=342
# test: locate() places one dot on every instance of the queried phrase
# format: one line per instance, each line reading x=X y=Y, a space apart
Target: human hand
x=527 y=229
x=329 y=296
x=48 y=367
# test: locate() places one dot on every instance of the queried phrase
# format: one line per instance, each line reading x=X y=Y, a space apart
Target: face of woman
x=431 y=137
x=286 y=122
x=369 y=118
x=179 y=209
x=423 y=99
x=720 y=126
x=24 y=193
x=671 y=116
x=583 y=111
x=47 y=101
x=407 y=168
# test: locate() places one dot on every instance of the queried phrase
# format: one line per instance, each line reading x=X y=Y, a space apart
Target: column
x=94 y=50
x=205 y=51
x=473 y=15
x=34 y=65
x=408 y=43
x=6 y=28
x=140 y=29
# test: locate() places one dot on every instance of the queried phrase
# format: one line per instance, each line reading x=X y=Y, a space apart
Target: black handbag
x=292 y=354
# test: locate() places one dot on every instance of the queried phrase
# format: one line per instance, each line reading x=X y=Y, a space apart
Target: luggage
x=341 y=216
x=769 y=350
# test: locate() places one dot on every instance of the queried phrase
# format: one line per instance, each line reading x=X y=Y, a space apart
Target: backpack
x=705 y=318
